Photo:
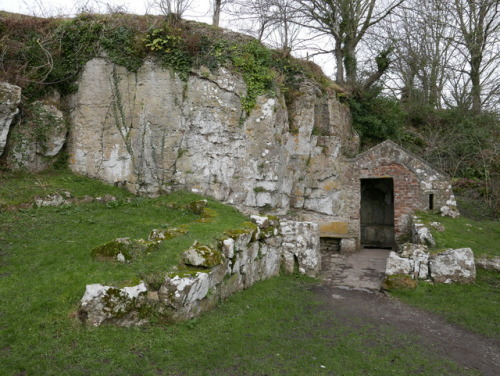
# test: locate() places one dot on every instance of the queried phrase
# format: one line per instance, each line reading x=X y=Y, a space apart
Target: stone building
x=382 y=188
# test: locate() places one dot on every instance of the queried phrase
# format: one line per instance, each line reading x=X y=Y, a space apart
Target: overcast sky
x=200 y=9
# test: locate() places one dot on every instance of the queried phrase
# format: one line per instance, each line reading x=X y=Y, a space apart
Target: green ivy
x=255 y=63
x=167 y=43
x=376 y=117
x=123 y=46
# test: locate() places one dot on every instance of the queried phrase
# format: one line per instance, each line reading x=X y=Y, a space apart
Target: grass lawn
x=475 y=306
x=483 y=237
x=275 y=327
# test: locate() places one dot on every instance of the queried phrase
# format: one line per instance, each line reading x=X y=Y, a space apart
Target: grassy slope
x=276 y=327
x=482 y=236
x=476 y=306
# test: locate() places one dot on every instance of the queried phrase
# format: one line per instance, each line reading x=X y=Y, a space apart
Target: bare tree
x=286 y=20
x=423 y=51
x=172 y=8
x=347 y=21
x=275 y=22
x=217 y=6
x=253 y=17
x=479 y=26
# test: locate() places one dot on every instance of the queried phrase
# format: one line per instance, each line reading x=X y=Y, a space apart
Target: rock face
x=151 y=133
x=10 y=97
x=242 y=259
x=453 y=265
x=38 y=138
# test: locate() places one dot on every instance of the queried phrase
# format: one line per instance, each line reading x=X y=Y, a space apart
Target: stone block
x=348 y=245
x=453 y=265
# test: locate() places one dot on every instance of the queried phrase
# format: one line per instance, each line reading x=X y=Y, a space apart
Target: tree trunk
x=339 y=77
x=475 y=78
x=350 y=63
x=216 y=17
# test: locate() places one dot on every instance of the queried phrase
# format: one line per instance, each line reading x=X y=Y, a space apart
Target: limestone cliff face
x=151 y=132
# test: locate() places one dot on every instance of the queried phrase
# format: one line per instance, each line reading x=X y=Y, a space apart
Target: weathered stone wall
x=249 y=256
x=152 y=133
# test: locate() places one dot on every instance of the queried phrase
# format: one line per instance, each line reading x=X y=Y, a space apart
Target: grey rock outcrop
x=37 y=138
x=10 y=97
x=152 y=133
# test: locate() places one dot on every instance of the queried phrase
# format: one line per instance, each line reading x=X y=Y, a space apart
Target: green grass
x=474 y=306
x=20 y=187
x=483 y=237
x=275 y=327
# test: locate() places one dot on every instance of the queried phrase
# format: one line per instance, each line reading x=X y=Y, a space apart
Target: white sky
x=70 y=7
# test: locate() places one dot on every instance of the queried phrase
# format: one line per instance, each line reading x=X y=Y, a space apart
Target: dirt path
x=354 y=304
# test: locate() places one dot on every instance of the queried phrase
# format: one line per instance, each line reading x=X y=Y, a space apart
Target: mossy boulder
x=166 y=234
x=196 y=206
x=202 y=256
x=123 y=249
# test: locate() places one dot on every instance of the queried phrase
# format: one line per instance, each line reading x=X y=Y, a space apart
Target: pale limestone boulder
x=421 y=234
x=106 y=304
x=449 y=211
x=51 y=200
x=488 y=262
x=453 y=265
x=10 y=98
x=397 y=265
x=419 y=256
x=300 y=245
x=202 y=256
x=38 y=138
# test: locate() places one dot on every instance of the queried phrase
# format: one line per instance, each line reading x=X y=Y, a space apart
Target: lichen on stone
x=203 y=256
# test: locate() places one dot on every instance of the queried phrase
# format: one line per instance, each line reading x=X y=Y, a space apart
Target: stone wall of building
x=413 y=178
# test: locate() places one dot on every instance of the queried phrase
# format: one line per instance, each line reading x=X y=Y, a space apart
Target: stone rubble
x=421 y=234
x=449 y=266
x=488 y=262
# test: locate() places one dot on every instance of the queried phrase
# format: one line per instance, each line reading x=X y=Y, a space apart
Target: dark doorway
x=377 y=213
